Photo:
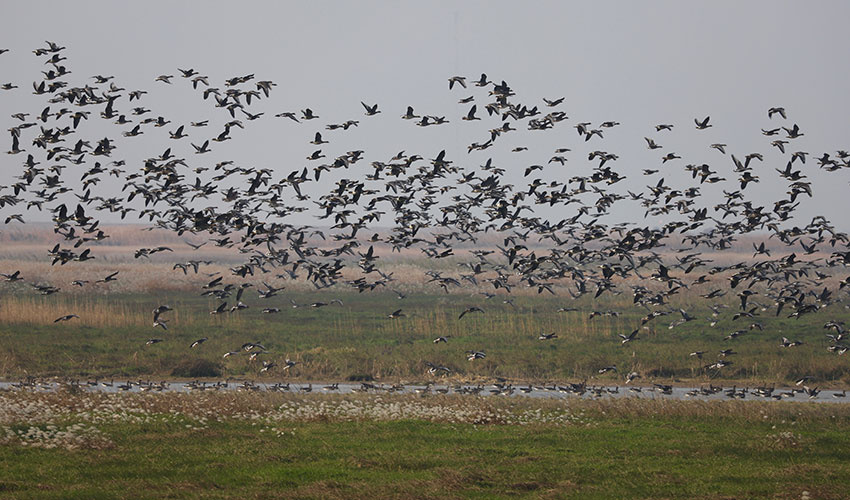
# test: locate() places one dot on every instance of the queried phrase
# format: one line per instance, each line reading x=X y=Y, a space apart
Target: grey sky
x=639 y=63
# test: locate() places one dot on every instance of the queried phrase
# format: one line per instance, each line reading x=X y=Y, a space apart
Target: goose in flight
x=670 y=157
x=370 y=110
x=628 y=338
x=460 y=80
x=409 y=115
x=108 y=278
x=198 y=342
x=547 y=336
x=433 y=369
x=67 y=317
x=220 y=309
x=161 y=309
x=779 y=111
x=396 y=314
x=266 y=86
x=239 y=306
x=482 y=81
x=471 y=115
x=317 y=305
x=473 y=355
x=288 y=114
x=812 y=393
x=247 y=346
x=720 y=363
x=780 y=144
x=16 y=276
x=789 y=343
x=203 y=148
x=178 y=134
x=651 y=143
x=702 y=125
x=470 y=310
x=793 y=132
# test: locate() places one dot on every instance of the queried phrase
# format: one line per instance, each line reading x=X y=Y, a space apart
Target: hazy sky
x=639 y=63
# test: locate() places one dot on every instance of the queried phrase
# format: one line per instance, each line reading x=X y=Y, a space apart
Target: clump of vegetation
x=196 y=368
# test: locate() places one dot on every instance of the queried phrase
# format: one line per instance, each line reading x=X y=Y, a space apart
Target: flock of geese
x=499 y=388
x=433 y=203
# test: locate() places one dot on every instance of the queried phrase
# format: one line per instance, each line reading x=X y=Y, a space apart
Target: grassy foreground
x=239 y=445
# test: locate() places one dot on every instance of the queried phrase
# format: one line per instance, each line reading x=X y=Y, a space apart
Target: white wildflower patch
x=81 y=420
x=70 y=437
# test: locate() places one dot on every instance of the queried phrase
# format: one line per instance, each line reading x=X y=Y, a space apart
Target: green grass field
x=356 y=341
x=228 y=445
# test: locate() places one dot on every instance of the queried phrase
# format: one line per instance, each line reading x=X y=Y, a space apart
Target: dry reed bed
x=140 y=235
x=159 y=275
x=25 y=249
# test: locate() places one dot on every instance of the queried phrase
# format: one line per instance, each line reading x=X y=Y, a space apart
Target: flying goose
x=16 y=276
x=470 y=310
x=773 y=111
x=473 y=355
x=460 y=80
x=198 y=342
x=370 y=110
x=702 y=125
